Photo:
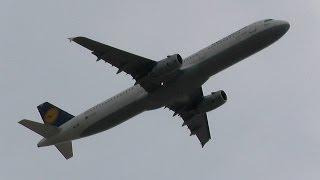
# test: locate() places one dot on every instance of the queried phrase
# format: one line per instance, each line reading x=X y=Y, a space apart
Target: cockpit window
x=267 y=20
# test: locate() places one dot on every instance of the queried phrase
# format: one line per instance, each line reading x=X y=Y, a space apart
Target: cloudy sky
x=269 y=128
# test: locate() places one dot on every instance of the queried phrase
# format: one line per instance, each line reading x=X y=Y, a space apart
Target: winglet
x=71 y=38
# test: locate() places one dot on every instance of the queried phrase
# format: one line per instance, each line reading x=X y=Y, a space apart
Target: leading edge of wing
x=132 y=64
x=97 y=46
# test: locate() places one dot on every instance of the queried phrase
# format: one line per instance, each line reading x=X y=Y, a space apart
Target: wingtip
x=71 y=38
x=203 y=144
x=67 y=157
x=23 y=121
x=75 y=38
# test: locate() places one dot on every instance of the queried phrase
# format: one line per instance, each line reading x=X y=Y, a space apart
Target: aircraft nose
x=279 y=28
x=282 y=27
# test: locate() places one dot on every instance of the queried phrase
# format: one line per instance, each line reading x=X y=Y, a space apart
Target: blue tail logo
x=53 y=115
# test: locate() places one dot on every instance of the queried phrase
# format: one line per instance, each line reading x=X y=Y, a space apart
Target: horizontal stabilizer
x=65 y=149
x=44 y=130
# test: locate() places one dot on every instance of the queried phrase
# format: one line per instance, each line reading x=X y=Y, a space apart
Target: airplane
x=173 y=83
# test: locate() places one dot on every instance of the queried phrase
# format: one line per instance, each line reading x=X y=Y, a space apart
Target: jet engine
x=211 y=102
x=167 y=66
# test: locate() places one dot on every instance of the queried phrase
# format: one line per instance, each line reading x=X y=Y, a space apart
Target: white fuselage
x=196 y=70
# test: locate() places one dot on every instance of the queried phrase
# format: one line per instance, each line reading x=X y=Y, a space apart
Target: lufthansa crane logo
x=51 y=116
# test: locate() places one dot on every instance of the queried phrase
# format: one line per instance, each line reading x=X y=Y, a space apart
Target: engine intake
x=167 y=66
x=212 y=101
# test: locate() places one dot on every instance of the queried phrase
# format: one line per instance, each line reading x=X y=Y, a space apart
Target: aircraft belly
x=131 y=105
x=114 y=119
x=176 y=90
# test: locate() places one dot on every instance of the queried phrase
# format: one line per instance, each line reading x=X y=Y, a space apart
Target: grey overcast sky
x=269 y=128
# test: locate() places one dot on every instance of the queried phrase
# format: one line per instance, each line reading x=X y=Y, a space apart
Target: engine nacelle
x=212 y=101
x=167 y=66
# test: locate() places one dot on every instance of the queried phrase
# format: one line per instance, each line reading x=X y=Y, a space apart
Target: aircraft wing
x=197 y=124
x=134 y=65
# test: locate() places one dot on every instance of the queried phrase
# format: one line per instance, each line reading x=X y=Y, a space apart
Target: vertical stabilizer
x=53 y=115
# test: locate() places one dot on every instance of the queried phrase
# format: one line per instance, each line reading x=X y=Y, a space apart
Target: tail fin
x=65 y=149
x=44 y=130
x=47 y=131
x=53 y=115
